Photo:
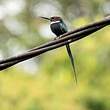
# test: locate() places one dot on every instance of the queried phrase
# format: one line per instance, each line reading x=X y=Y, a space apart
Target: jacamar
x=58 y=27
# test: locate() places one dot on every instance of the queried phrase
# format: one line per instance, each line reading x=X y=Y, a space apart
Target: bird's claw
x=57 y=37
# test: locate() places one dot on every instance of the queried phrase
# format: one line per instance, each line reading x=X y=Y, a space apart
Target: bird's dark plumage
x=58 y=27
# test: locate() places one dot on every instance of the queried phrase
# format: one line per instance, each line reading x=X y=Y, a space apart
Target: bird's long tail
x=72 y=60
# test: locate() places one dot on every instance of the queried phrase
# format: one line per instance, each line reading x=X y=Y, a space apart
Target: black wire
x=71 y=36
x=58 y=43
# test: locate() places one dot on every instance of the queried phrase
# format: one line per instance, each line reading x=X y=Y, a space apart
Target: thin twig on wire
x=65 y=39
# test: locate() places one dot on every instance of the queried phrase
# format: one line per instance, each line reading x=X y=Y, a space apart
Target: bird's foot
x=57 y=37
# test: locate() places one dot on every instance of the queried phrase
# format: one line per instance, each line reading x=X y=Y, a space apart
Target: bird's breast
x=57 y=28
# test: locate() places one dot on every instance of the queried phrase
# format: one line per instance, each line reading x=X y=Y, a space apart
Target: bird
x=58 y=27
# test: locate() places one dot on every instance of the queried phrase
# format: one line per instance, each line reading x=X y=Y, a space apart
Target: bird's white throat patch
x=54 y=22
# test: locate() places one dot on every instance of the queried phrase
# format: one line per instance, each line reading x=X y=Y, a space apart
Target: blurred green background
x=47 y=82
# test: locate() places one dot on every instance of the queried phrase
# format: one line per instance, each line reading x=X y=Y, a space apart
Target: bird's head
x=53 y=18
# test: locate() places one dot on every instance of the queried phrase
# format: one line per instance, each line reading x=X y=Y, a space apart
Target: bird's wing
x=72 y=60
x=63 y=27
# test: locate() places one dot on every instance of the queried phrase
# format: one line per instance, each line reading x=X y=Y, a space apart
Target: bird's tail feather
x=72 y=60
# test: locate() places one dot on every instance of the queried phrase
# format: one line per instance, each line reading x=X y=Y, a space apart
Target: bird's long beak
x=45 y=18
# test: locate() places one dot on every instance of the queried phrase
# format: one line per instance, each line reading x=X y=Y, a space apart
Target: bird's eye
x=52 y=18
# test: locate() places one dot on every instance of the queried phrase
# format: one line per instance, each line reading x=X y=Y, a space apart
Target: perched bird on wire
x=68 y=37
x=58 y=27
